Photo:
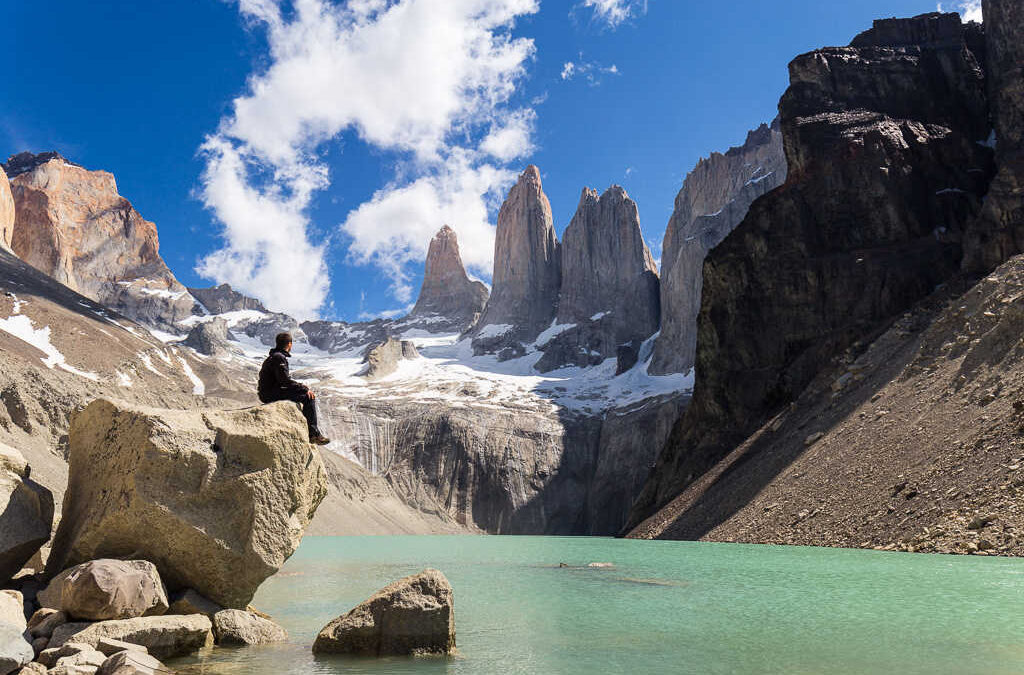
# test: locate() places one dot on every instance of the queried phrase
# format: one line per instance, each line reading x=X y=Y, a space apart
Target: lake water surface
x=665 y=607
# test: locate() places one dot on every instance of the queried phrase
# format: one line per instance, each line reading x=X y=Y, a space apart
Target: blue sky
x=306 y=151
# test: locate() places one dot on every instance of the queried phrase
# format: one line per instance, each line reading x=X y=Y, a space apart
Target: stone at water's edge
x=239 y=627
x=107 y=589
x=26 y=513
x=217 y=500
x=414 y=615
x=131 y=662
x=189 y=602
x=163 y=636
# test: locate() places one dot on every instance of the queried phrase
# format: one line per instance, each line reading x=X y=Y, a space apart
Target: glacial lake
x=665 y=607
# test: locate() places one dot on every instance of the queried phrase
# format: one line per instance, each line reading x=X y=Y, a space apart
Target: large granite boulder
x=12 y=609
x=527 y=268
x=15 y=651
x=413 y=615
x=217 y=500
x=382 y=360
x=6 y=211
x=73 y=225
x=132 y=662
x=239 y=627
x=107 y=589
x=211 y=338
x=609 y=280
x=714 y=199
x=163 y=636
x=27 y=513
x=885 y=175
x=449 y=299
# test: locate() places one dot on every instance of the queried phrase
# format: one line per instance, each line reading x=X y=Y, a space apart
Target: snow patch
x=494 y=330
x=198 y=388
x=552 y=332
x=123 y=380
x=20 y=326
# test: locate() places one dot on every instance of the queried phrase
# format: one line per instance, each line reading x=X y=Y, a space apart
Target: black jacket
x=275 y=380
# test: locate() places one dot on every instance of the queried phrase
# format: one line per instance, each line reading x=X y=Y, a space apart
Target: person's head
x=284 y=341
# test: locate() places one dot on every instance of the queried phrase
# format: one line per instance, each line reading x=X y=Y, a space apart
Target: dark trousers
x=300 y=396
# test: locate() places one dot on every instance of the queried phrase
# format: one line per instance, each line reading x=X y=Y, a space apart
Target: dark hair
x=283 y=340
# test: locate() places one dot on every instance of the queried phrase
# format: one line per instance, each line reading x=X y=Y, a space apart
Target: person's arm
x=283 y=377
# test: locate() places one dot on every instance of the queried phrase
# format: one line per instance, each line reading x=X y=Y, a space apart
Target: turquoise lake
x=665 y=607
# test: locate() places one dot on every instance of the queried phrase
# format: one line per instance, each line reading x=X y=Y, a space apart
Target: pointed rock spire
x=447 y=292
x=527 y=269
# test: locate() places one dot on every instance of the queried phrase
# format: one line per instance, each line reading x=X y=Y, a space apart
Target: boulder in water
x=414 y=615
x=239 y=627
x=217 y=500
x=107 y=589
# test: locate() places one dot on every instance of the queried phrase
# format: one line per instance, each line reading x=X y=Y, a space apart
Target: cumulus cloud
x=591 y=71
x=427 y=80
x=969 y=9
x=614 y=12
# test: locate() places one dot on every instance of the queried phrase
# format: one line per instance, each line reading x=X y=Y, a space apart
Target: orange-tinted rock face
x=6 y=211
x=73 y=225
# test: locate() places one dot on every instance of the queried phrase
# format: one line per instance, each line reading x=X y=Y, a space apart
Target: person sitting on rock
x=276 y=384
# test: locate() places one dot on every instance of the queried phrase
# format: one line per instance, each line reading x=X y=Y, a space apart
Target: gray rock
x=190 y=602
x=26 y=513
x=164 y=636
x=84 y=657
x=49 y=657
x=608 y=271
x=448 y=299
x=414 y=615
x=12 y=609
x=211 y=338
x=383 y=359
x=45 y=620
x=39 y=644
x=527 y=267
x=110 y=646
x=247 y=482
x=15 y=651
x=239 y=627
x=33 y=669
x=714 y=199
x=132 y=663
x=223 y=298
x=107 y=589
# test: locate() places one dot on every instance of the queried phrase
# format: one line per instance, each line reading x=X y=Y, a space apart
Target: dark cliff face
x=223 y=298
x=885 y=175
x=999 y=231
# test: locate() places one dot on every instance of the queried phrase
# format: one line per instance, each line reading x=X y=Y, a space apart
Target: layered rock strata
x=885 y=173
x=527 y=269
x=448 y=299
x=72 y=224
x=714 y=199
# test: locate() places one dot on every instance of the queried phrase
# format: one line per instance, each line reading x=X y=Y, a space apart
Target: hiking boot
x=319 y=439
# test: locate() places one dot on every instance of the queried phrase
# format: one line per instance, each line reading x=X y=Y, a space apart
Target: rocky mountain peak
x=223 y=298
x=527 y=267
x=448 y=295
x=714 y=198
x=6 y=212
x=23 y=162
x=935 y=29
x=71 y=224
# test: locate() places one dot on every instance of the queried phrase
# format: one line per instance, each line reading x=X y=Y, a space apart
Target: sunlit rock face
x=73 y=225
x=449 y=299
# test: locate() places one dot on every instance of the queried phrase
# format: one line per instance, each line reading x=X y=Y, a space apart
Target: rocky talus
x=885 y=173
x=914 y=442
x=999 y=231
x=527 y=269
x=609 y=291
x=448 y=299
x=72 y=224
x=714 y=199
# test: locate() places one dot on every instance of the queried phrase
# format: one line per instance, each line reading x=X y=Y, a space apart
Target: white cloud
x=424 y=79
x=457 y=193
x=969 y=9
x=615 y=12
x=592 y=71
